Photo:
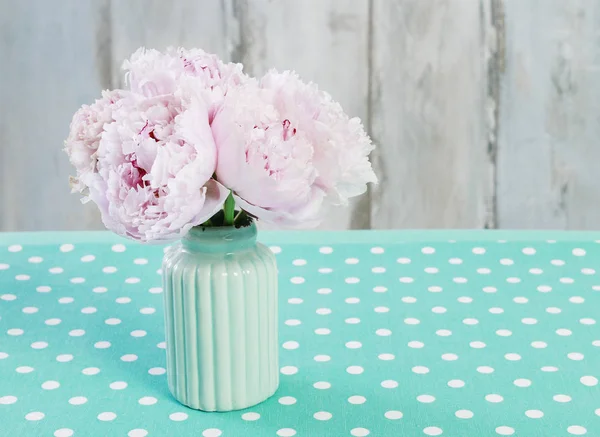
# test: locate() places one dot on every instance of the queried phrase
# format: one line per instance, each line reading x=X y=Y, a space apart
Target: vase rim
x=220 y=238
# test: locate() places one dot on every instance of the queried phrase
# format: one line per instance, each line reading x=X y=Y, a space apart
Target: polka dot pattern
x=454 y=329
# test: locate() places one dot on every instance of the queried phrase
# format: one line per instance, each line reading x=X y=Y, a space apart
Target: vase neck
x=220 y=239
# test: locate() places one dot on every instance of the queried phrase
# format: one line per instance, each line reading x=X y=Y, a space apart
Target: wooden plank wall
x=486 y=113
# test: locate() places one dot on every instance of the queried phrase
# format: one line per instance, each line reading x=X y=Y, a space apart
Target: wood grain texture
x=549 y=119
x=50 y=66
x=324 y=41
x=429 y=115
x=206 y=24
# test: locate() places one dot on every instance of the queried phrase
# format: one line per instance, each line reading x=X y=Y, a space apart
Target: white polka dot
x=161 y=345
x=564 y=332
x=420 y=370
x=505 y=430
x=53 y=322
x=549 y=369
x=7 y=400
x=30 y=310
x=359 y=432
x=536 y=271
x=275 y=249
x=539 y=344
x=426 y=399
x=562 y=398
x=250 y=416
x=588 y=271
x=15 y=248
x=34 y=415
x=434 y=289
x=381 y=309
x=596 y=343
x=112 y=321
x=291 y=345
x=352 y=261
x=22 y=277
x=295 y=300
x=406 y=280
x=322 y=415
x=355 y=370
x=489 y=289
x=470 y=321
x=529 y=321
x=43 y=289
x=513 y=280
x=578 y=252
x=428 y=250
x=137 y=433
x=64 y=358
x=290 y=322
x=89 y=310
x=147 y=400
x=15 y=332
x=494 y=398
x=389 y=383
x=35 y=259
x=129 y=358
x=324 y=290
x=90 y=371
x=147 y=310
x=506 y=262
x=478 y=250
x=403 y=261
x=322 y=385
x=379 y=289
x=132 y=280
x=557 y=262
x=155 y=290
x=138 y=333
x=4 y=266
x=353 y=344
x=24 y=369
x=119 y=248
x=107 y=416
x=357 y=400
x=157 y=371
x=65 y=300
x=78 y=400
x=496 y=310
x=456 y=383
x=576 y=430
x=534 y=414
x=465 y=299
x=411 y=321
x=449 y=357
x=529 y=251
x=323 y=311
x=50 y=385
x=352 y=280
x=140 y=261
x=178 y=417
x=109 y=269
x=287 y=400
x=409 y=299
x=8 y=297
x=483 y=271
x=325 y=270
x=289 y=370
x=378 y=270
x=590 y=381
x=431 y=270
x=386 y=357
x=432 y=430
x=567 y=280
x=575 y=356
x=415 y=344
x=464 y=414
x=544 y=288
x=39 y=345
x=102 y=344
x=460 y=280
x=504 y=332
x=587 y=321
x=56 y=270
x=299 y=262
x=485 y=370
x=522 y=382
x=118 y=385
x=326 y=250
x=67 y=248
x=393 y=415
x=455 y=261
x=443 y=332
x=352 y=300
x=63 y=432
x=383 y=332
x=286 y=432
x=520 y=299
x=553 y=310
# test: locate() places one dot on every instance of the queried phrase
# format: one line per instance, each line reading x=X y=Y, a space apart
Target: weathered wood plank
x=324 y=41
x=430 y=115
x=51 y=64
x=549 y=122
x=205 y=24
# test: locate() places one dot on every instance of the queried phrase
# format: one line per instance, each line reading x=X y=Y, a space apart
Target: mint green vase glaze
x=220 y=290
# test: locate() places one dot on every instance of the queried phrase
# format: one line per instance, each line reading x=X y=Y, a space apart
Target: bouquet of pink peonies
x=195 y=141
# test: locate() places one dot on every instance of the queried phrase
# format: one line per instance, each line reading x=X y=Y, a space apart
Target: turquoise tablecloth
x=462 y=334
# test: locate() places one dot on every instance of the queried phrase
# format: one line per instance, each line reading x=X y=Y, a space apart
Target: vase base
x=212 y=407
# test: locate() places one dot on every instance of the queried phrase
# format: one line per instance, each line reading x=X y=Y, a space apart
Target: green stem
x=229 y=210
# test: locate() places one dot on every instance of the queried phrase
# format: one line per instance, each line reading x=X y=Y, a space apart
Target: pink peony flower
x=284 y=148
x=85 y=132
x=153 y=73
x=155 y=164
